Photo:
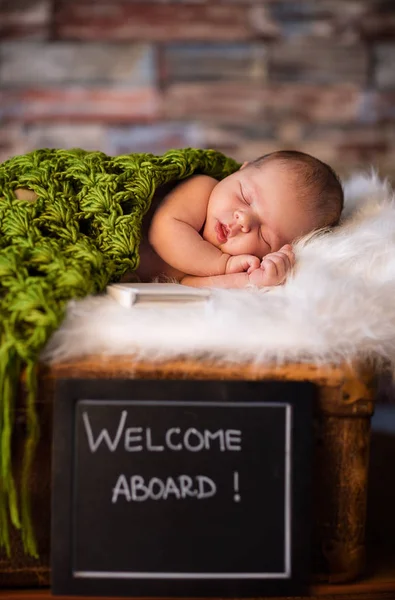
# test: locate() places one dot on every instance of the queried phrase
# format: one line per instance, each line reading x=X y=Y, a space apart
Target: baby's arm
x=273 y=271
x=174 y=230
x=233 y=280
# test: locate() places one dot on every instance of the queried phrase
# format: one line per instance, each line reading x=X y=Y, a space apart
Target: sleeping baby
x=237 y=232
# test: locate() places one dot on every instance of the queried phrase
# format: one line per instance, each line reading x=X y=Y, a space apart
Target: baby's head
x=270 y=202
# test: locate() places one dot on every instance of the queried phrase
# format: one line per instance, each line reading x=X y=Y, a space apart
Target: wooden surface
x=126 y=366
x=345 y=403
x=378 y=586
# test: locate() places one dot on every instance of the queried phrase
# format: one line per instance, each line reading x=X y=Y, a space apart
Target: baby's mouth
x=222 y=232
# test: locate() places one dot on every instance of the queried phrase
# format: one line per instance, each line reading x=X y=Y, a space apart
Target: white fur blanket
x=339 y=304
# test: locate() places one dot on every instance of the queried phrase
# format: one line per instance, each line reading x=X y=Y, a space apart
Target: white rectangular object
x=128 y=294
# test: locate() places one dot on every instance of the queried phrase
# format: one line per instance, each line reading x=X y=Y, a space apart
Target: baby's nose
x=243 y=220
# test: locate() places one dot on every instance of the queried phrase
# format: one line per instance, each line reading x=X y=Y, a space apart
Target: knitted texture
x=81 y=232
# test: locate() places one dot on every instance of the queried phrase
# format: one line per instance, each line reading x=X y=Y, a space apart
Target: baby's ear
x=245 y=163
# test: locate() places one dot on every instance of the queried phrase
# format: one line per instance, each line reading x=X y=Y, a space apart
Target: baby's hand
x=241 y=263
x=274 y=268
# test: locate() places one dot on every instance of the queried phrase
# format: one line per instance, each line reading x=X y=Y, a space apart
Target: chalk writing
x=174 y=439
x=138 y=439
x=137 y=489
x=236 y=497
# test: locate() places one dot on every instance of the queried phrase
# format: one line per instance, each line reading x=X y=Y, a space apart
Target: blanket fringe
x=33 y=432
x=9 y=371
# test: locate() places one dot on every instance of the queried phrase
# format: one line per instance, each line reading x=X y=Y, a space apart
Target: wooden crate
x=344 y=405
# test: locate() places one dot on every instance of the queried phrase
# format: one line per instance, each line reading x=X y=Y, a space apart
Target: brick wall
x=243 y=76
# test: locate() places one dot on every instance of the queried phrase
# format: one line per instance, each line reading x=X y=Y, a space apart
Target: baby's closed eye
x=244 y=196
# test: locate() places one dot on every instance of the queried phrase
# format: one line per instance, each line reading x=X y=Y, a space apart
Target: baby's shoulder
x=198 y=182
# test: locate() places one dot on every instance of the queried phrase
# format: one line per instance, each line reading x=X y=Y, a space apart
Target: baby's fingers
x=269 y=265
x=281 y=260
x=276 y=266
x=288 y=251
x=254 y=263
x=274 y=261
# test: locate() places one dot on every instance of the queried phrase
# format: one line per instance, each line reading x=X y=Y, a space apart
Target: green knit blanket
x=81 y=232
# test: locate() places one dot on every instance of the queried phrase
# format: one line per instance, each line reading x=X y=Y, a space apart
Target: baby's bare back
x=151 y=265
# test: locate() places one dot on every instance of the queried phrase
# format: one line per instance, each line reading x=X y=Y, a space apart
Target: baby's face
x=256 y=211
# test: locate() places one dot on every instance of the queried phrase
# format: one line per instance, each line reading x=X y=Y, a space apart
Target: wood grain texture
x=127 y=366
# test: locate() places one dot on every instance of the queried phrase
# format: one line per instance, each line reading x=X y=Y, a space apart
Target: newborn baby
x=237 y=232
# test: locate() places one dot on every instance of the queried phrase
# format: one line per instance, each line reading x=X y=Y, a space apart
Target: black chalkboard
x=181 y=488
